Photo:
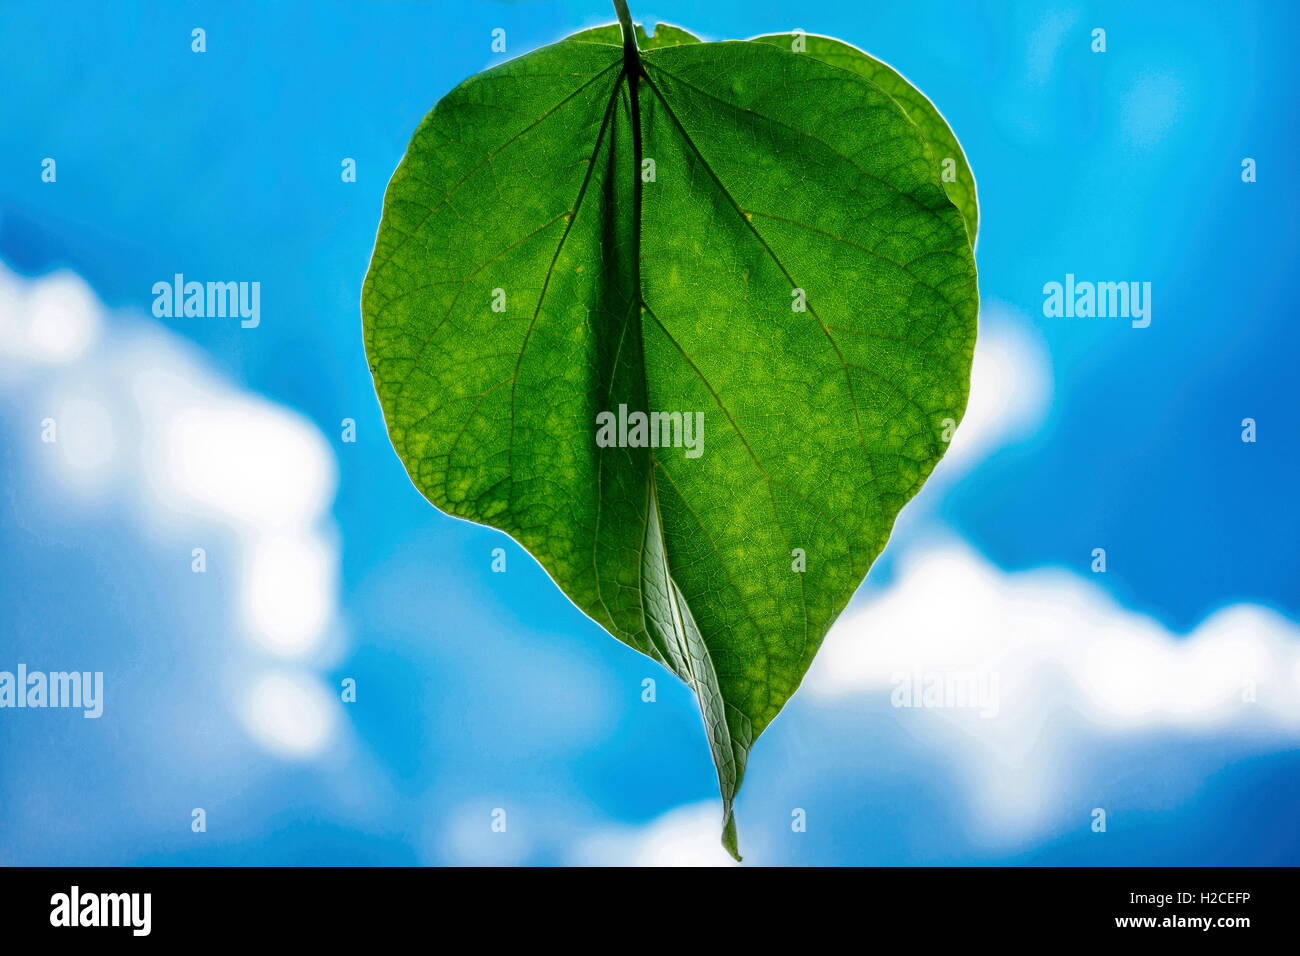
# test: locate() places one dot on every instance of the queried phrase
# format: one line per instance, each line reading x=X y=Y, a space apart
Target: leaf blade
x=687 y=560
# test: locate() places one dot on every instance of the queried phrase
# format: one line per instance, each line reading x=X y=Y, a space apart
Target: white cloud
x=140 y=416
x=50 y=322
x=289 y=588
x=86 y=445
x=1067 y=663
x=290 y=712
x=243 y=459
x=686 y=836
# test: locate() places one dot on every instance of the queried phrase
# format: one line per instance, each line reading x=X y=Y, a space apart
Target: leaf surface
x=528 y=276
x=939 y=136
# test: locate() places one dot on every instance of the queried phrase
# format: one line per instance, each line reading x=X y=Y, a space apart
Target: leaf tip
x=729 y=837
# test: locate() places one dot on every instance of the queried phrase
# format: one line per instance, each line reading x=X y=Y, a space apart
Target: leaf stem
x=630 y=54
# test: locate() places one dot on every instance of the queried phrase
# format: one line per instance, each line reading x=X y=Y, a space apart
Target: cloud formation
x=116 y=410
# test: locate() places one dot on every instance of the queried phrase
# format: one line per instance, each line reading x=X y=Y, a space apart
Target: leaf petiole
x=631 y=56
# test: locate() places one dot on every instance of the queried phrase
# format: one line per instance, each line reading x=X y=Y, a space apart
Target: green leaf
x=960 y=185
x=528 y=278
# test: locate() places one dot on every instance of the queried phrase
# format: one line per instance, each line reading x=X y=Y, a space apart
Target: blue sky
x=478 y=690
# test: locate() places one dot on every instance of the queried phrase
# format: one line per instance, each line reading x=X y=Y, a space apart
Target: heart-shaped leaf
x=752 y=244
